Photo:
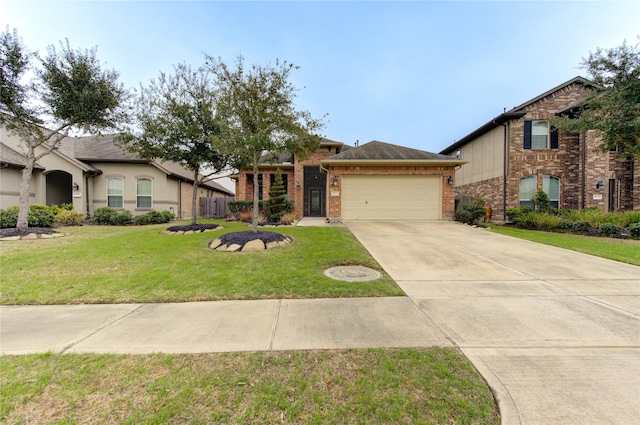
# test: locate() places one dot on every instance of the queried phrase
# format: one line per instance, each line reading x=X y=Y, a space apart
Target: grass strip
x=373 y=386
x=106 y=264
x=625 y=251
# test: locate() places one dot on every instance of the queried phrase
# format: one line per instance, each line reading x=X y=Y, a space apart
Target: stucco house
x=92 y=172
x=373 y=181
x=518 y=152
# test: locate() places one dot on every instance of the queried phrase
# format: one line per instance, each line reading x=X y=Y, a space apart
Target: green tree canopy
x=612 y=104
x=176 y=121
x=69 y=92
x=257 y=108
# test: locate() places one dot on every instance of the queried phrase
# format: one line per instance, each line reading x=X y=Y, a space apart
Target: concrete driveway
x=555 y=333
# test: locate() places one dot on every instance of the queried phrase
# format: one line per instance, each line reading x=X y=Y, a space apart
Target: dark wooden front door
x=315 y=183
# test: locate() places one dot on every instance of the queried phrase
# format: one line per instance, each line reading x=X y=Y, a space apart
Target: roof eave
x=401 y=162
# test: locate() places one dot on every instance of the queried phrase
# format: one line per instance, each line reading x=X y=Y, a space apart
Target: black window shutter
x=554 y=138
x=527 y=134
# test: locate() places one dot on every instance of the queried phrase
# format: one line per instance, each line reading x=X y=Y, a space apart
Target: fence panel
x=214 y=207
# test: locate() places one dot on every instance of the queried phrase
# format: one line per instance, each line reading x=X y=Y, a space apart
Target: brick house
x=373 y=181
x=518 y=152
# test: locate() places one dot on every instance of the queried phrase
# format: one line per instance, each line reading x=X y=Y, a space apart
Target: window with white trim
x=143 y=194
x=551 y=186
x=527 y=191
x=115 y=192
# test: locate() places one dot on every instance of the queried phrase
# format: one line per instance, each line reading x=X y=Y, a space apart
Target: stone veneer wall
x=448 y=191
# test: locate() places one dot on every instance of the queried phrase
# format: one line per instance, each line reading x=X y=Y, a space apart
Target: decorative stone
x=11 y=238
x=222 y=247
x=188 y=232
x=215 y=243
x=233 y=247
x=273 y=244
x=254 y=245
x=30 y=236
x=46 y=236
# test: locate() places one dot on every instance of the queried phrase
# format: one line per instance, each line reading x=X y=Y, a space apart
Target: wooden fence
x=214 y=207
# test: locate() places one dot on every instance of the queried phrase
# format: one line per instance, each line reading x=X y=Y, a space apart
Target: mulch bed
x=193 y=227
x=12 y=231
x=241 y=238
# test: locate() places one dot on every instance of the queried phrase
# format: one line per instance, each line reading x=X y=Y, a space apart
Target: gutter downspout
x=505 y=170
x=583 y=183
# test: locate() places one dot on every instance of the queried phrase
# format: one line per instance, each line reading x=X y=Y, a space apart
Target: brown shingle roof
x=387 y=152
x=14 y=158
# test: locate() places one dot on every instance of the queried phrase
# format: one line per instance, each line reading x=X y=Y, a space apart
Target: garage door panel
x=391 y=197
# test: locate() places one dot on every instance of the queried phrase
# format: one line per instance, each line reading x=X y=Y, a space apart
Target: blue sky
x=420 y=74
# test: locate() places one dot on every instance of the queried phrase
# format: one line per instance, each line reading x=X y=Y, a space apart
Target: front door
x=315 y=202
x=315 y=183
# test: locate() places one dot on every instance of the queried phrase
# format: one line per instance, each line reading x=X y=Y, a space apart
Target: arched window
x=527 y=190
x=551 y=186
x=143 y=195
x=115 y=192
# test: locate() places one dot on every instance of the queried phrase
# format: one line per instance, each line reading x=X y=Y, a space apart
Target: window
x=115 y=192
x=458 y=153
x=527 y=191
x=551 y=186
x=537 y=135
x=143 y=199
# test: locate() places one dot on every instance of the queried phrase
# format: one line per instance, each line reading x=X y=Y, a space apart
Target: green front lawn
x=106 y=264
x=625 y=251
x=374 y=386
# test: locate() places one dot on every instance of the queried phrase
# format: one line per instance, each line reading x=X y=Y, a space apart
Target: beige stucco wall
x=10 y=179
x=486 y=156
x=164 y=189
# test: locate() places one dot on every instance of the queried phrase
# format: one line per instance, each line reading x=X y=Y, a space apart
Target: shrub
x=288 y=218
x=238 y=207
x=527 y=221
x=104 y=215
x=566 y=225
x=69 y=217
x=9 y=217
x=581 y=226
x=471 y=213
x=634 y=230
x=154 y=217
x=547 y=221
x=122 y=218
x=41 y=216
x=277 y=203
x=542 y=202
x=515 y=214
x=610 y=229
x=245 y=215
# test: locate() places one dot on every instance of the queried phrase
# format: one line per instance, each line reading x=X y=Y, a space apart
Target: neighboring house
x=374 y=181
x=518 y=153
x=92 y=172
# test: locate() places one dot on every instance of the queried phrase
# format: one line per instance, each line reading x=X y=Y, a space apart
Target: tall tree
x=68 y=92
x=176 y=121
x=612 y=104
x=260 y=116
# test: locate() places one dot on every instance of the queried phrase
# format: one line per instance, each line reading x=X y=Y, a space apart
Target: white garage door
x=391 y=197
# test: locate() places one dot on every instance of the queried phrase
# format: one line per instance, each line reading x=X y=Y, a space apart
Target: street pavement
x=555 y=333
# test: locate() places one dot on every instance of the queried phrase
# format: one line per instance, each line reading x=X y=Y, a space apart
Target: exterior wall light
x=297 y=186
x=600 y=185
x=335 y=180
x=450 y=180
x=76 y=187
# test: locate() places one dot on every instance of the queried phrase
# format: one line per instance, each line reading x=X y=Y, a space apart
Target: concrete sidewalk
x=217 y=326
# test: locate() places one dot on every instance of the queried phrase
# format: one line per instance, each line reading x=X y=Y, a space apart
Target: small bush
x=104 y=215
x=542 y=202
x=41 y=216
x=471 y=213
x=238 y=207
x=634 y=230
x=245 y=216
x=566 y=225
x=9 y=217
x=109 y=216
x=69 y=217
x=547 y=221
x=527 y=221
x=288 y=218
x=582 y=226
x=610 y=229
x=122 y=218
x=154 y=217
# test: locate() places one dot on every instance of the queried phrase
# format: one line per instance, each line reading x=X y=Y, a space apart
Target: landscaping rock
x=215 y=243
x=233 y=247
x=254 y=245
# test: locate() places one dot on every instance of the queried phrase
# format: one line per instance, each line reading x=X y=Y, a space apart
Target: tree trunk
x=194 y=198
x=256 y=197
x=27 y=172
